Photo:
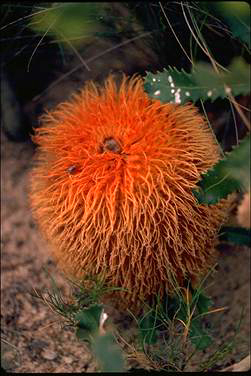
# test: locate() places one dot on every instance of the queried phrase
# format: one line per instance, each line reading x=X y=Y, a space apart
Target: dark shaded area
x=30 y=62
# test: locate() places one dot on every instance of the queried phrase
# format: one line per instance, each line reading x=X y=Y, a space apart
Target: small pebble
x=67 y=359
x=37 y=344
x=49 y=355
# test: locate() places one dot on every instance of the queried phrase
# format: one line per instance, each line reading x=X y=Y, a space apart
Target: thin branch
x=235 y=123
x=240 y=112
x=204 y=46
x=76 y=52
x=31 y=15
x=174 y=33
x=35 y=49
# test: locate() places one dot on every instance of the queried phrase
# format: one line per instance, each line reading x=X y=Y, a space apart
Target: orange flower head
x=112 y=189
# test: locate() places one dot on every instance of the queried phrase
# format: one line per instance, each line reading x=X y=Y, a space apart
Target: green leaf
x=236 y=14
x=83 y=334
x=104 y=347
x=215 y=186
x=72 y=21
x=164 y=85
x=203 y=302
x=174 y=304
x=147 y=326
x=88 y=321
x=108 y=353
x=236 y=235
x=228 y=175
x=199 y=338
x=180 y=87
x=238 y=77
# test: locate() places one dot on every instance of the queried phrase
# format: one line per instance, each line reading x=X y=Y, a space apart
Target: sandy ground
x=32 y=339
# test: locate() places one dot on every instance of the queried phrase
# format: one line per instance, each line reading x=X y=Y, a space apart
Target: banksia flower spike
x=112 y=189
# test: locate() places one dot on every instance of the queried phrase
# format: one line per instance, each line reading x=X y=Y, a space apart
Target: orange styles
x=112 y=189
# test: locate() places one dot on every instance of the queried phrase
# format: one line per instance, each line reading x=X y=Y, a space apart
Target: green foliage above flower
x=180 y=87
x=69 y=21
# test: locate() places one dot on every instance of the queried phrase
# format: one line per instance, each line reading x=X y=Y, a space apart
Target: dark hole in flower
x=110 y=144
x=71 y=170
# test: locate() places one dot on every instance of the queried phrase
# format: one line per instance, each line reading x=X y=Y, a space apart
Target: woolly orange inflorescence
x=112 y=189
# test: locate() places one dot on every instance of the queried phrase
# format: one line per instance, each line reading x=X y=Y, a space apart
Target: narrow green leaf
x=228 y=175
x=147 y=328
x=236 y=235
x=198 y=336
x=180 y=87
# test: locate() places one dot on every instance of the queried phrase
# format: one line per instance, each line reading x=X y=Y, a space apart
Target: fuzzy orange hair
x=112 y=189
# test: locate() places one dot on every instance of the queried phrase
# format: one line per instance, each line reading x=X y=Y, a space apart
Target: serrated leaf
x=215 y=186
x=165 y=85
x=236 y=235
x=228 y=175
x=199 y=337
x=180 y=87
x=108 y=353
x=238 y=77
x=88 y=321
x=203 y=302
